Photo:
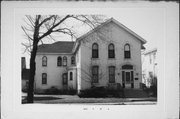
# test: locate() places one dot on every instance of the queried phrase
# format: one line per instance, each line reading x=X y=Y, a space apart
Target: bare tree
x=39 y=27
x=87 y=74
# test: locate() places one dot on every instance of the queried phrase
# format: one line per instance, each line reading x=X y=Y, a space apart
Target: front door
x=65 y=80
x=128 y=79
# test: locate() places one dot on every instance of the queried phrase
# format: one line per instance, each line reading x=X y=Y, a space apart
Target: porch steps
x=135 y=93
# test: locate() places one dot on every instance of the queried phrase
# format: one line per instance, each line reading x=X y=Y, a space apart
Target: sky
x=147 y=22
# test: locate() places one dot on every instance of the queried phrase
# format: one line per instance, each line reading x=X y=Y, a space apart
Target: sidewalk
x=74 y=99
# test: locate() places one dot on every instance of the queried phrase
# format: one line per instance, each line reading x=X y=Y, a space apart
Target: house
x=24 y=74
x=109 y=55
x=149 y=67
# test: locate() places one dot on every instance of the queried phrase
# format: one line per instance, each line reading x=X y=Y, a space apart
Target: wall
x=110 y=33
x=54 y=72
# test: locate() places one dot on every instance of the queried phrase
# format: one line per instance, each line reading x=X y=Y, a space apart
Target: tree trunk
x=30 y=96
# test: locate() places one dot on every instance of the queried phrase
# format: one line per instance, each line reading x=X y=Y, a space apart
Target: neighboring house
x=109 y=55
x=149 y=67
x=24 y=74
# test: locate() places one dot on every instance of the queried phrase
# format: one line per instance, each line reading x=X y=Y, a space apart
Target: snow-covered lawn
x=74 y=99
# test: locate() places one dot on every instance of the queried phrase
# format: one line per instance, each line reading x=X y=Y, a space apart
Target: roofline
x=150 y=51
x=40 y=53
x=119 y=24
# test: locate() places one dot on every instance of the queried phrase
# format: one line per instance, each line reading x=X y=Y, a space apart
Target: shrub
x=52 y=90
x=153 y=89
x=100 y=92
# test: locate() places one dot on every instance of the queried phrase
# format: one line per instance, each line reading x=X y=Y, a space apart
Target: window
x=59 y=61
x=95 y=50
x=111 y=53
x=64 y=61
x=44 y=78
x=95 y=72
x=127 y=53
x=71 y=76
x=44 y=61
x=65 y=78
x=112 y=74
x=73 y=60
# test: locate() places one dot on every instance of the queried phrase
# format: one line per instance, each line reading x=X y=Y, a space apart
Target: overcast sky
x=147 y=22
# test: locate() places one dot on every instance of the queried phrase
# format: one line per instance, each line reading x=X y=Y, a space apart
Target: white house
x=149 y=67
x=109 y=55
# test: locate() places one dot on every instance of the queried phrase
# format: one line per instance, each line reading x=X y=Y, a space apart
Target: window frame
x=65 y=80
x=44 y=61
x=71 y=76
x=95 y=76
x=111 y=52
x=73 y=60
x=59 y=61
x=112 y=75
x=65 y=61
x=127 y=53
x=95 y=51
x=44 y=79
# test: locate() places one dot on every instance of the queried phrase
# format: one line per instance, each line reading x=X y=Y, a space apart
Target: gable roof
x=150 y=51
x=57 y=47
x=119 y=24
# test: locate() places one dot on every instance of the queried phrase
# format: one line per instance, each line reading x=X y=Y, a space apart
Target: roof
x=57 y=47
x=119 y=24
x=150 y=51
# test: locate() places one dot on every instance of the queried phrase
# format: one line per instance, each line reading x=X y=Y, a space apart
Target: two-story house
x=149 y=67
x=108 y=55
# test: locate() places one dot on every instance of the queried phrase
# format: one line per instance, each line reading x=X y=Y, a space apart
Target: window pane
x=111 y=47
x=64 y=60
x=59 y=61
x=95 y=46
x=44 y=61
x=127 y=47
x=95 y=50
x=44 y=78
x=95 y=74
x=112 y=74
x=72 y=60
x=71 y=76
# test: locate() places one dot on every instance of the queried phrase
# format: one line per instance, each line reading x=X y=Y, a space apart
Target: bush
x=52 y=90
x=153 y=89
x=100 y=92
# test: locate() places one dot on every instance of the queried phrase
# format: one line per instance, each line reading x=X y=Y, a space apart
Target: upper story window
x=95 y=50
x=111 y=52
x=59 y=61
x=44 y=61
x=127 y=52
x=64 y=61
x=73 y=60
x=95 y=74
x=112 y=74
x=44 y=78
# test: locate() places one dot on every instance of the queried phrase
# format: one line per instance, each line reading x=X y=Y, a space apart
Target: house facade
x=109 y=55
x=149 y=67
